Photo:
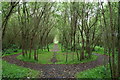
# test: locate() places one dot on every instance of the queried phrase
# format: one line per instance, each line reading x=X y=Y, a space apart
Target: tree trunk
x=35 y=54
x=82 y=52
x=119 y=39
x=66 y=57
x=30 y=48
x=77 y=55
x=112 y=41
x=48 y=47
x=4 y=23
x=88 y=49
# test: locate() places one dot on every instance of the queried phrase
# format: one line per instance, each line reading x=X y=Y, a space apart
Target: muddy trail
x=58 y=70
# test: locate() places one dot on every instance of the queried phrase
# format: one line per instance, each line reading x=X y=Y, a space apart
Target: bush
x=12 y=48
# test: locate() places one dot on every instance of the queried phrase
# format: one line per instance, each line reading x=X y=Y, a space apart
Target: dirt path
x=57 y=70
x=55 y=49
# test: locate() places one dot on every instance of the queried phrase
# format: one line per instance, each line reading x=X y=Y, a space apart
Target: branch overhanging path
x=58 y=70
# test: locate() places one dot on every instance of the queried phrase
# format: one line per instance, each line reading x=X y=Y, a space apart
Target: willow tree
x=6 y=14
x=33 y=23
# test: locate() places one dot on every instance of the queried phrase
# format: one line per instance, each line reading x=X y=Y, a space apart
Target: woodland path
x=58 y=70
x=55 y=49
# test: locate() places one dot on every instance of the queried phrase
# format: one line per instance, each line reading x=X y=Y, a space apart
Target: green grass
x=100 y=50
x=12 y=52
x=43 y=57
x=14 y=71
x=98 y=72
x=51 y=46
x=72 y=59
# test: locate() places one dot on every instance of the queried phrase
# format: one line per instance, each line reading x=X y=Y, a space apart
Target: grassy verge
x=100 y=50
x=43 y=57
x=72 y=59
x=98 y=72
x=14 y=71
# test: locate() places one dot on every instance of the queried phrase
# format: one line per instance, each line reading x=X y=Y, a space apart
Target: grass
x=43 y=57
x=12 y=52
x=72 y=59
x=51 y=46
x=100 y=50
x=98 y=72
x=14 y=71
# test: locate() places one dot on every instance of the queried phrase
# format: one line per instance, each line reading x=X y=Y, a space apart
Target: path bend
x=58 y=70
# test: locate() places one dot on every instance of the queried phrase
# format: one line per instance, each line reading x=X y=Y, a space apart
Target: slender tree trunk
x=82 y=52
x=77 y=55
x=119 y=39
x=35 y=54
x=109 y=48
x=66 y=56
x=113 y=40
x=22 y=43
x=4 y=23
x=109 y=51
x=48 y=47
x=88 y=49
x=31 y=44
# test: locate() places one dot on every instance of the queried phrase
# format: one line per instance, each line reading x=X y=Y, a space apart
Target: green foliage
x=51 y=46
x=14 y=71
x=11 y=52
x=98 y=72
x=100 y=50
x=12 y=49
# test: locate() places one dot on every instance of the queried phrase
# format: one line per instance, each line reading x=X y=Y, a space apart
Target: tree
x=7 y=16
x=119 y=39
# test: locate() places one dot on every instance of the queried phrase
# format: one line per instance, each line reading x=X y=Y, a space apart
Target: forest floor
x=58 y=70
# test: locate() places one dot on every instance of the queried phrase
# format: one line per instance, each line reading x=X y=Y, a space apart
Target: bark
x=82 y=51
x=35 y=54
x=48 y=47
x=109 y=49
x=31 y=45
x=77 y=55
x=88 y=48
x=74 y=24
x=4 y=23
x=66 y=57
x=82 y=35
x=119 y=39
x=23 y=44
x=113 y=41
